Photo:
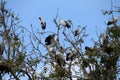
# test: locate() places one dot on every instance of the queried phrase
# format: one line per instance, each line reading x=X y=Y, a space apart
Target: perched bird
x=2 y=46
x=70 y=55
x=52 y=53
x=61 y=49
x=65 y=23
x=76 y=32
x=88 y=48
x=105 y=46
x=113 y=20
x=105 y=39
x=60 y=59
x=51 y=40
x=108 y=49
x=89 y=51
x=43 y=23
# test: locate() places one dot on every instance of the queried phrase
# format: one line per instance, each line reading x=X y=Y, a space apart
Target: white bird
x=60 y=59
x=113 y=20
x=65 y=23
x=2 y=46
x=43 y=23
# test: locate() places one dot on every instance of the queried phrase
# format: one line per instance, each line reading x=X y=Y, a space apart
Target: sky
x=81 y=12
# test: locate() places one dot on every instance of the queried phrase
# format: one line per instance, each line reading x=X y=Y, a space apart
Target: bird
x=43 y=23
x=51 y=52
x=76 y=32
x=105 y=39
x=2 y=46
x=64 y=23
x=70 y=55
x=88 y=48
x=60 y=59
x=113 y=20
x=51 y=49
x=51 y=40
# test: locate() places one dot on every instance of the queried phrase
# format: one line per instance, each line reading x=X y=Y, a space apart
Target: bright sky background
x=81 y=12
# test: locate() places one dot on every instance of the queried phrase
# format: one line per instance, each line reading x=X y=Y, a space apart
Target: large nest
x=4 y=66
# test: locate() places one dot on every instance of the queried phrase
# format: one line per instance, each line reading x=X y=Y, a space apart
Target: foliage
x=15 y=59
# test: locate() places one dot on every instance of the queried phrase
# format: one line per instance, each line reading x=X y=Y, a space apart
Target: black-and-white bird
x=2 y=46
x=105 y=39
x=76 y=32
x=43 y=23
x=51 y=52
x=51 y=40
x=65 y=23
x=69 y=55
x=60 y=59
x=113 y=20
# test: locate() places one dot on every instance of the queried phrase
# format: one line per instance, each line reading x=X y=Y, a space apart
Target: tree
x=14 y=59
x=58 y=59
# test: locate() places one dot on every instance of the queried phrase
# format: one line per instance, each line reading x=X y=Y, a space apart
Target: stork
x=105 y=39
x=2 y=46
x=70 y=55
x=51 y=40
x=65 y=23
x=60 y=59
x=51 y=52
x=88 y=48
x=113 y=20
x=43 y=23
x=76 y=32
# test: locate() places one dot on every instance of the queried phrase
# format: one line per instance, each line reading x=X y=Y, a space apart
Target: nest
x=4 y=66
